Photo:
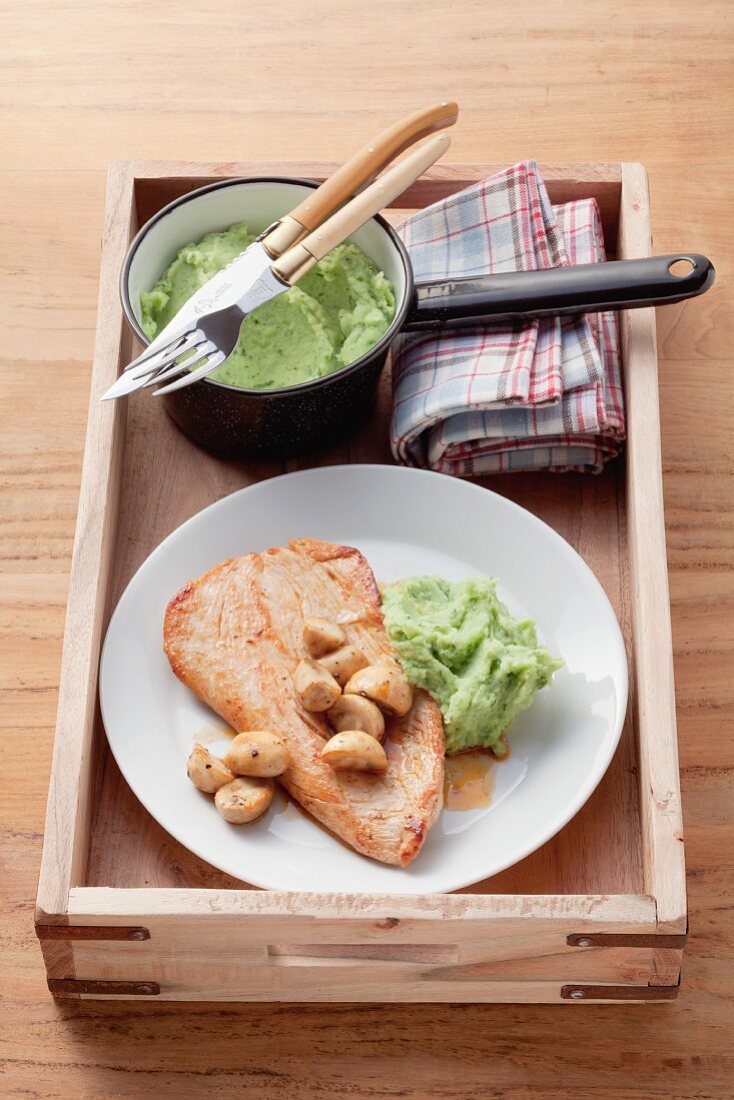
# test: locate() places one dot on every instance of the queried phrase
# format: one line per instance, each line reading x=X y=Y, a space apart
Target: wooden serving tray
x=598 y=913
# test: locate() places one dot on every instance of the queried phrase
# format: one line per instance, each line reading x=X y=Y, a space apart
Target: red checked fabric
x=545 y=395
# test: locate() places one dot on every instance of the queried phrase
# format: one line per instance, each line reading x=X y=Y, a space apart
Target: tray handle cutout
x=347 y=954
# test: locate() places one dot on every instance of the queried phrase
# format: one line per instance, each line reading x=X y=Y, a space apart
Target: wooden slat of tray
x=654 y=711
x=227 y=945
x=158 y=182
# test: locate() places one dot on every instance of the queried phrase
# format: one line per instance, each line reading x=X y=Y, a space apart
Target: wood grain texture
x=230 y=946
x=70 y=790
x=660 y=809
x=83 y=86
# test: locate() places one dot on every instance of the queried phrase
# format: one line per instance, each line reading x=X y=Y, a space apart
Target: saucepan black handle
x=585 y=288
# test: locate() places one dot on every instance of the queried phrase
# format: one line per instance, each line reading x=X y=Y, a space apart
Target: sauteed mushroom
x=354 y=750
x=207 y=772
x=257 y=752
x=322 y=636
x=244 y=800
x=353 y=712
x=315 y=686
x=385 y=685
x=344 y=662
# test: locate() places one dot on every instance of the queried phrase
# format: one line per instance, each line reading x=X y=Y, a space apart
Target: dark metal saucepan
x=284 y=422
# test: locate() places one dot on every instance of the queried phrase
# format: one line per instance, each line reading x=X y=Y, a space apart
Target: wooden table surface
x=84 y=84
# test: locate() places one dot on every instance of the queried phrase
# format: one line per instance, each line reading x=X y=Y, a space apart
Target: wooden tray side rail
x=241 y=944
x=68 y=816
x=662 y=824
x=654 y=698
x=214 y=945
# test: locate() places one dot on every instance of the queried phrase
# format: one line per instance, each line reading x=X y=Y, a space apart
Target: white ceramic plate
x=405 y=522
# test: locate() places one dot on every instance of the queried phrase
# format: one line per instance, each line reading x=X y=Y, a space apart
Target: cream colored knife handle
x=358 y=171
x=297 y=260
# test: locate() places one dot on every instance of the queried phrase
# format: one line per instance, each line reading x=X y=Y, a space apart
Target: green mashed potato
x=337 y=312
x=459 y=643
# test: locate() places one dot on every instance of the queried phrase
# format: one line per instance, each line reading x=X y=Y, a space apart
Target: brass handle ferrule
x=293 y=264
x=283 y=235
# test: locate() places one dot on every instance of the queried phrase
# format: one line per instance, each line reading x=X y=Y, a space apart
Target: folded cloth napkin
x=541 y=395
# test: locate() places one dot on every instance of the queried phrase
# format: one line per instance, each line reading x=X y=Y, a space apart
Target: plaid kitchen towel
x=546 y=394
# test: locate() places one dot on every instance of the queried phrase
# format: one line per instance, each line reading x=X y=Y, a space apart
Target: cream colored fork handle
x=297 y=260
x=358 y=171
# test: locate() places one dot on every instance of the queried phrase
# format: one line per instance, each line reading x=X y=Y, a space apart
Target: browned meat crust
x=235 y=636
